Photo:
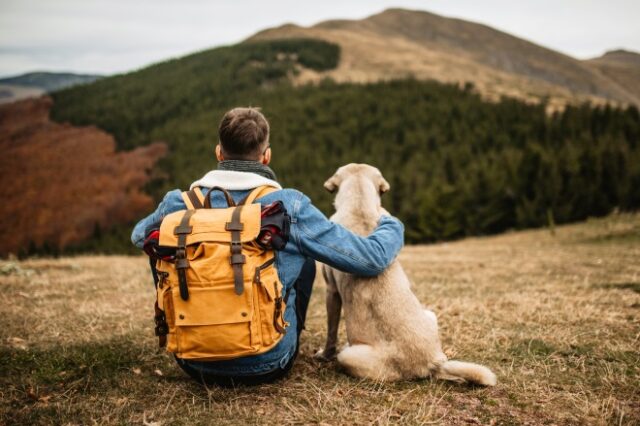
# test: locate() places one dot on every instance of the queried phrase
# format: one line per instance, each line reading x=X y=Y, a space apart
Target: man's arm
x=336 y=246
x=171 y=202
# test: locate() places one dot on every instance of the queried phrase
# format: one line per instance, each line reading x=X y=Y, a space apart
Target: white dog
x=391 y=335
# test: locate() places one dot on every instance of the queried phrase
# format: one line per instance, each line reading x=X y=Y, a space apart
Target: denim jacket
x=311 y=235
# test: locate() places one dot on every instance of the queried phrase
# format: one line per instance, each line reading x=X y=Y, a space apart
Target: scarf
x=248 y=166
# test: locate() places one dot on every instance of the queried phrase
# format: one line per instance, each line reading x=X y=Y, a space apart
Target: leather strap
x=237 y=259
x=197 y=204
x=199 y=194
x=182 y=263
x=235 y=226
x=187 y=200
x=278 y=313
x=256 y=276
x=194 y=199
x=207 y=197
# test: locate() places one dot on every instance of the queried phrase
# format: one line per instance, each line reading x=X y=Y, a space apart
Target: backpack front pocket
x=215 y=323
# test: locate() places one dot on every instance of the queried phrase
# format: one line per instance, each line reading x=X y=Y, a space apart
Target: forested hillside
x=457 y=165
x=65 y=184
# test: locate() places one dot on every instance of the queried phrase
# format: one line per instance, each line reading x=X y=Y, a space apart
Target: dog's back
x=384 y=310
x=391 y=336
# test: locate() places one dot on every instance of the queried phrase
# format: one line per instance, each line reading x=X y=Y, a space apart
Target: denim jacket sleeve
x=171 y=202
x=331 y=243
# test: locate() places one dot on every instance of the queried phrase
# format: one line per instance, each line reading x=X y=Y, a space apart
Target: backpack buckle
x=178 y=230
x=230 y=226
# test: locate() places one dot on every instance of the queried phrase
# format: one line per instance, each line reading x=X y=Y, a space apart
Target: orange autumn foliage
x=58 y=182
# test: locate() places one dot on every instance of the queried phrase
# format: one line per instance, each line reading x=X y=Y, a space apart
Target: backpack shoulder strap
x=258 y=192
x=194 y=199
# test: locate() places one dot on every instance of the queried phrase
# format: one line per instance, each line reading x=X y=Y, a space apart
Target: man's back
x=244 y=153
x=311 y=236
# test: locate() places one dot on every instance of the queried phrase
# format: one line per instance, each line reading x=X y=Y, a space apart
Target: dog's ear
x=383 y=185
x=331 y=184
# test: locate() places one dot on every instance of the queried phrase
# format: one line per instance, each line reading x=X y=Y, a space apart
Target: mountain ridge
x=621 y=66
x=397 y=43
x=619 y=56
x=37 y=83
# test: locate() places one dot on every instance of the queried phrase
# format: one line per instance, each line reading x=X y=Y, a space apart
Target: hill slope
x=398 y=43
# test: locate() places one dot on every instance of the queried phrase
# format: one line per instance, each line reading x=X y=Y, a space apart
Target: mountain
x=37 y=83
x=10 y=93
x=398 y=43
x=458 y=164
x=621 y=66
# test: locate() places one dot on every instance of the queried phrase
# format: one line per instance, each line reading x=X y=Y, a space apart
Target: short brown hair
x=243 y=133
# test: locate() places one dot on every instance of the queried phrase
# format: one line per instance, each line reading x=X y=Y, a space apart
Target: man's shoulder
x=289 y=191
x=288 y=195
x=173 y=194
x=172 y=201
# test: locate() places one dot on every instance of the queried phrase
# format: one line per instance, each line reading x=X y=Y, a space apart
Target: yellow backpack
x=221 y=298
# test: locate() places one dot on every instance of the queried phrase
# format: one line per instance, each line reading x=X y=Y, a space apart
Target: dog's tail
x=459 y=371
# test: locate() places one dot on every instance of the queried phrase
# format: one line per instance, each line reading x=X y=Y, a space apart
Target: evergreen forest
x=457 y=164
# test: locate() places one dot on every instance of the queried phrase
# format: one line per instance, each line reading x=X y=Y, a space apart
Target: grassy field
x=557 y=317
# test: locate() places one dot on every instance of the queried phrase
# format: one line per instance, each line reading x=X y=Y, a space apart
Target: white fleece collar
x=232 y=180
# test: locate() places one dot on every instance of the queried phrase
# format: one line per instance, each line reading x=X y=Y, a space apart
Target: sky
x=114 y=36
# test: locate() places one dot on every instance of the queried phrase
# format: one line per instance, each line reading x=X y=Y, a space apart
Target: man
x=243 y=155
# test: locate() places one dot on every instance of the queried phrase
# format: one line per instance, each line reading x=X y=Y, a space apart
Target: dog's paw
x=325 y=355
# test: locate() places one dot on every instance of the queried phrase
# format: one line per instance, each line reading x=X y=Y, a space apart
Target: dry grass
x=556 y=317
x=371 y=54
